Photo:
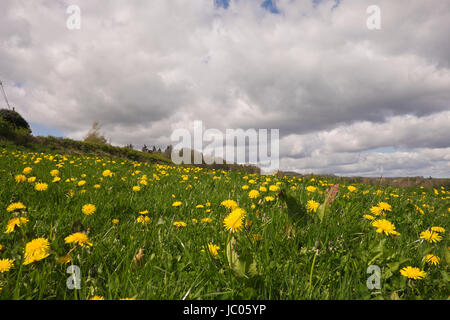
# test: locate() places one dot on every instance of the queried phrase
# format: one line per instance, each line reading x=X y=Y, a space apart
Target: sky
x=346 y=100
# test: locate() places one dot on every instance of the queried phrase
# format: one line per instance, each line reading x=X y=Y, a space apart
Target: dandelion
x=16 y=206
x=176 y=204
x=312 y=206
x=229 y=204
x=54 y=173
x=27 y=170
x=20 y=178
x=253 y=194
x=369 y=217
x=15 y=222
x=40 y=186
x=311 y=189
x=88 y=209
x=115 y=221
x=64 y=259
x=143 y=219
x=269 y=198
x=81 y=183
x=136 y=188
x=430 y=236
x=351 y=188
x=245 y=187
x=274 y=188
x=6 y=265
x=56 y=179
x=143 y=212
x=97 y=298
x=413 y=273
x=179 y=224
x=206 y=220
x=234 y=221
x=384 y=226
x=432 y=259
x=107 y=173
x=31 y=179
x=213 y=249
x=78 y=238
x=36 y=250
x=437 y=229
x=384 y=206
x=377 y=211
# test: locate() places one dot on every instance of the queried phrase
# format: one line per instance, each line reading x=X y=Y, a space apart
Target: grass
x=282 y=252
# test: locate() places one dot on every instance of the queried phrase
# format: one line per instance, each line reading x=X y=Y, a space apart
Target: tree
x=15 y=119
x=94 y=135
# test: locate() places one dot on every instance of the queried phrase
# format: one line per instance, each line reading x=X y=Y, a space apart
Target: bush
x=17 y=134
x=15 y=119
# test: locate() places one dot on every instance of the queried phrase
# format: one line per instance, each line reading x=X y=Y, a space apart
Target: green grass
x=295 y=259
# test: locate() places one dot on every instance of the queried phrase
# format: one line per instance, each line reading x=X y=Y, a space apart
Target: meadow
x=157 y=231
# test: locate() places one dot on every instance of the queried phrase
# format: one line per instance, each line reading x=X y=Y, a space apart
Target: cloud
x=309 y=68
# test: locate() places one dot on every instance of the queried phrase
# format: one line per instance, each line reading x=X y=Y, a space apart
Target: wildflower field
x=149 y=231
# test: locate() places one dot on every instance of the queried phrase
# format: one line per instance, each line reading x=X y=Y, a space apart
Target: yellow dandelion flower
x=384 y=226
x=229 y=204
x=143 y=219
x=54 y=173
x=432 y=259
x=27 y=170
x=311 y=189
x=15 y=222
x=16 y=206
x=78 y=238
x=430 y=236
x=234 y=221
x=115 y=221
x=88 y=209
x=213 y=249
x=20 y=178
x=206 y=220
x=369 y=217
x=107 y=173
x=36 y=250
x=437 y=229
x=6 y=265
x=384 y=206
x=312 y=206
x=179 y=224
x=136 y=188
x=40 y=186
x=413 y=273
x=253 y=194
x=97 y=298
x=176 y=204
x=274 y=188
x=377 y=211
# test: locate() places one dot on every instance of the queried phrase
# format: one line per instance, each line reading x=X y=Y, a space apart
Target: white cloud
x=332 y=87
